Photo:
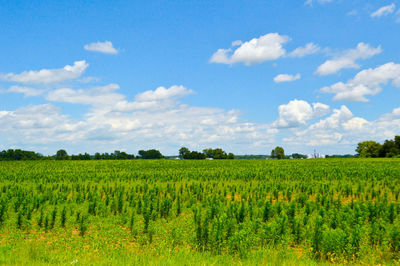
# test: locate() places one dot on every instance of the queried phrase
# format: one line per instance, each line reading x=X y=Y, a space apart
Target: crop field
x=169 y=212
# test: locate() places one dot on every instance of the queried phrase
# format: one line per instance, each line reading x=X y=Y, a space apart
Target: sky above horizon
x=245 y=76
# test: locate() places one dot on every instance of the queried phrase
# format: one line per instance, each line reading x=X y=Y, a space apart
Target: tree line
x=184 y=153
x=373 y=149
x=218 y=153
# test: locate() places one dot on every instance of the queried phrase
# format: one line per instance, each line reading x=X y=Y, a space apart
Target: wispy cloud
x=48 y=76
x=347 y=59
x=366 y=82
x=309 y=48
x=101 y=47
x=310 y=2
x=384 y=11
x=286 y=78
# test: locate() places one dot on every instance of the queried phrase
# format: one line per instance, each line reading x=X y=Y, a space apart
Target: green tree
x=183 y=151
x=194 y=155
x=97 y=156
x=389 y=149
x=299 y=156
x=150 y=154
x=369 y=149
x=217 y=153
x=61 y=155
x=220 y=154
x=278 y=153
x=209 y=152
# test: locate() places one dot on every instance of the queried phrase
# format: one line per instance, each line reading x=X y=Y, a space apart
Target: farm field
x=171 y=212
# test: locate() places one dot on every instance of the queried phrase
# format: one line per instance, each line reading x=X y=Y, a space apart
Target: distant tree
x=369 y=149
x=150 y=154
x=194 y=155
x=273 y=154
x=183 y=151
x=340 y=156
x=61 y=155
x=389 y=149
x=278 y=153
x=142 y=153
x=220 y=154
x=17 y=155
x=397 y=141
x=209 y=152
x=231 y=156
x=97 y=156
x=217 y=153
x=299 y=156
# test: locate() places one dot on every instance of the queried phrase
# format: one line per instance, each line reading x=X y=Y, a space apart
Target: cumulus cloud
x=37 y=124
x=286 y=78
x=173 y=125
x=27 y=91
x=396 y=111
x=366 y=82
x=384 y=11
x=258 y=50
x=299 y=112
x=348 y=59
x=48 y=76
x=101 y=47
x=106 y=98
x=309 y=48
x=161 y=93
x=342 y=127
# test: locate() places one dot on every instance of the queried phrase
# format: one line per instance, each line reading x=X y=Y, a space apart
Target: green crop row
x=326 y=210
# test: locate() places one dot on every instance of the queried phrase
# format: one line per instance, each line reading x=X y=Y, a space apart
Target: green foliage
x=83 y=225
x=62 y=155
x=346 y=211
x=63 y=216
x=150 y=154
x=19 y=155
x=217 y=153
x=278 y=153
x=3 y=212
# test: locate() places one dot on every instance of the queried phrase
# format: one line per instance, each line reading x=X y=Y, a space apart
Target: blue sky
x=242 y=75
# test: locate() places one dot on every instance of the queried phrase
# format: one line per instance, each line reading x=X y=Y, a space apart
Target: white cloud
x=396 y=111
x=161 y=93
x=28 y=92
x=286 y=78
x=108 y=126
x=258 y=50
x=310 y=2
x=37 y=124
x=334 y=121
x=221 y=56
x=101 y=47
x=348 y=59
x=343 y=128
x=237 y=43
x=48 y=76
x=104 y=99
x=299 y=112
x=384 y=11
x=356 y=123
x=320 y=109
x=309 y=48
x=366 y=82
x=97 y=96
